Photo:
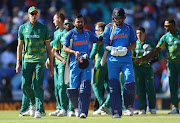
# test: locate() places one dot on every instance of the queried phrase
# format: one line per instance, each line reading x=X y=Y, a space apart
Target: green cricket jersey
x=58 y=44
x=141 y=49
x=34 y=38
x=97 y=52
x=172 y=43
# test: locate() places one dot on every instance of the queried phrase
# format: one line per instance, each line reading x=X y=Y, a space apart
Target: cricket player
x=100 y=74
x=60 y=59
x=144 y=74
x=80 y=72
x=35 y=38
x=119 y=60
x=170 y=40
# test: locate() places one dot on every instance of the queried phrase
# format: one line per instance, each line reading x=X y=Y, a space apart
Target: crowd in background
x=148 y=13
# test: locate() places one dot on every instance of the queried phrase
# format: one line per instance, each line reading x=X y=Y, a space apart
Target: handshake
x=119 y=51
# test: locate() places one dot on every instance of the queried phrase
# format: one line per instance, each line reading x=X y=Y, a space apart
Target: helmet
x=83 y=61
x=118 y=12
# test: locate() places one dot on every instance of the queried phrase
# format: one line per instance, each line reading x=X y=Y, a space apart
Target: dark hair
x=101 y=25
x=69 y=19
x=171 y=21
x=78 y=16
x=60 y=15
x=141 y=28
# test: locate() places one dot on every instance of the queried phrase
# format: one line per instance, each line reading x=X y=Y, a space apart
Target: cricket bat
x=67 y=67
x=104 y=58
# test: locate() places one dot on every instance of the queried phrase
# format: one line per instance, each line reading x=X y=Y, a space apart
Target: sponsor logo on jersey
x=120 y=36
x=80 y=43
x=32 y=36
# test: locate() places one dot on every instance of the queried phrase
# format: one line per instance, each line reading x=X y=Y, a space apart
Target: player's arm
x=66 y=45
x=19 y=54
x=94 y=51
x=133 y=39
x=58 y=56
x=132 y=46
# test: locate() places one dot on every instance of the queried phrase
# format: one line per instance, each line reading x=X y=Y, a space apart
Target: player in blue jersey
x=119 y=60
x=79 y=92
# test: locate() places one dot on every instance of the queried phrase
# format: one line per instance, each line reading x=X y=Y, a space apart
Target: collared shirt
x=34 y=38
x=80 y=41
x=123 y=36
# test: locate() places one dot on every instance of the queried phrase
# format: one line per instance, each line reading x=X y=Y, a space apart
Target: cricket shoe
x=26 y=113
x=129 y=112
x=142 y=112
x=97 y=112
x=32 y=110
x=62 y=113
x=43 y=114
x=152 y=111
x=135 y=112
x=174 y=111
x=116 y=116
x=76 y=112
x=82 y=115
x=37 y=114
x=71 y=114
x=54 y=113
x=105 y=109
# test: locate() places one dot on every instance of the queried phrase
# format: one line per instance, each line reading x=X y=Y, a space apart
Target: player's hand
x=47 y=63
x=64 y=61
x=18 y=68
x=76 y=53
x=137 y=60
x=51 y=70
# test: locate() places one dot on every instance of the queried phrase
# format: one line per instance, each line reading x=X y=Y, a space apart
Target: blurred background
x=148 y=13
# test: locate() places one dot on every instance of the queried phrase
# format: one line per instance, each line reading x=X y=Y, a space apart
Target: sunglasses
x=34 y=14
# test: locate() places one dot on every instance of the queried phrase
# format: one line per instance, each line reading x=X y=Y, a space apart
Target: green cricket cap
x=31 y=9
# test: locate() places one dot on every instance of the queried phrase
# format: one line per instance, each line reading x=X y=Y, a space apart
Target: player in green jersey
x=100 y=74
x=170 y=40
x=58 y=21
x=144 y=73
x=60 y=59
x=35 y=38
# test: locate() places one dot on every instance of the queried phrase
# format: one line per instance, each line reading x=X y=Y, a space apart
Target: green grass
x=160 y=117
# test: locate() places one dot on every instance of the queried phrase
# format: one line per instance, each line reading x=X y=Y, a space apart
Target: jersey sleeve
x=56 y=44
x=67 y=38
x=93 y=51
x=106 y=35
x=161 y=42
x=93 y=37
x=20 y=34
x=47 y=35
x=132 y=35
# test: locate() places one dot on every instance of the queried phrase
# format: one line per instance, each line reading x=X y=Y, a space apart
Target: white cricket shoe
x=83 y=115
x=62 y=113
x=76 y=112
x=105 y=109
x=32 y=110
x=26 y=113
x=116 y=116
x=37 y=114
x=71 y=114
x=142 y=112
x=129 y=112
x=97 y=112
x=174 y=111
x=152 y=111
x=54 y=113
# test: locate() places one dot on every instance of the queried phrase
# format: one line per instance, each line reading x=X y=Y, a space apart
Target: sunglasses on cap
x=34 y=14
x=68 y=23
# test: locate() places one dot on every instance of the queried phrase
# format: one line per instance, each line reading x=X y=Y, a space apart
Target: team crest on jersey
x=126 y=30
x=170 y=39
x=39 y=30
x=85 y=36
x=26 y=29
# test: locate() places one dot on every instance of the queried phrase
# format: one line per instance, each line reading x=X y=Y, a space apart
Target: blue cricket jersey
x=80 y=41
x=123 y=36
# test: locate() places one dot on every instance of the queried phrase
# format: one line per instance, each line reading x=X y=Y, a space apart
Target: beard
x=79 y=27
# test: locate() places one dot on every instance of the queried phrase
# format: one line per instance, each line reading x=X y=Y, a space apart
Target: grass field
x=160 y=117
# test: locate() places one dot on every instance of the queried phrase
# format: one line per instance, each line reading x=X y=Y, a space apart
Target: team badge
x=126 y=30
x=85 y=36
x=116 y=13
x=39 y=30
